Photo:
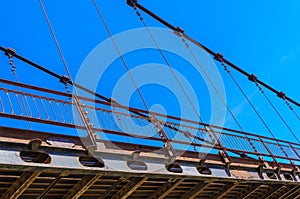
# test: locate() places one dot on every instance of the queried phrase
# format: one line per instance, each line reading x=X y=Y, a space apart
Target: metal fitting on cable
x=281 y=95
x=219 y=57
x=252 y=78
x=179 y=29
x=10 y=52
x=131 y=2
x=64 y=79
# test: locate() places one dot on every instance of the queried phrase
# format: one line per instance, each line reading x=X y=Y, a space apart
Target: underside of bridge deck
x=43 y=165
x=22 y=184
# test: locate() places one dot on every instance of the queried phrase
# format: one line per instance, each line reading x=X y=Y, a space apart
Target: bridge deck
x=137 y=155
x=68 y=172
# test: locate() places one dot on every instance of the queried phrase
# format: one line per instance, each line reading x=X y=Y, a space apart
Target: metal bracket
x=10 y=52
x=281 y=95
x=64 y=79
x=219 y=57
x=224 y=159
x=35 y=144
x=253 y=78
x=135 y=155
x=278 y=171
x=169 y=153
x=131 y=2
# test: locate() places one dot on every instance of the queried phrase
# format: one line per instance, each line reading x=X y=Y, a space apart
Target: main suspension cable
x=219 y=57
x=253 y=78
x=283 y=97
x=211 y=82
x=119 y=52
x=168 y=64
x=172 y=71
x=211 y=52
x=10 y=54
x=179 y=83
x=102 y=98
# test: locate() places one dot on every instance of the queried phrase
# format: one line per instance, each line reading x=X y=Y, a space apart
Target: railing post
x=167 y=142
x=270 y=152
x=294 y=150
x=221 y=146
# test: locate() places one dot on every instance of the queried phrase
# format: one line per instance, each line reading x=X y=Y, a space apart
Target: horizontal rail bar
x=119 y=123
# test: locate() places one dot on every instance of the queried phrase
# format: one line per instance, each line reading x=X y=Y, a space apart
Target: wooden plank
x=251 y=191
x=227 y=189
x=290 y=192
x=20 y=185
x=84 y=184
x=170 y=189
x=196 y=190
x=53 y=183
x=129 y=188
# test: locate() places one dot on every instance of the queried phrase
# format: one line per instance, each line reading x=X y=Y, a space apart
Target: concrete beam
x=82 y=186
x=20 y=185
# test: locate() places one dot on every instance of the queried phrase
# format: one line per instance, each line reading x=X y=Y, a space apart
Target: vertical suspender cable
x=254 y=79
x=211 y=52
x=120 y=54
x=172 y=71
x=180 y=85
x=152 y=118
x=168 y=64
x=219 y=57
x=10 y=54
x=77 y=102
x=133 y=3
x=283 y=97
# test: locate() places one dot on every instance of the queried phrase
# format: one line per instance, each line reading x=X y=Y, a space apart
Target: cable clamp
x=281 y=95
x=10 y=52
x=179 y=29
x=131 y=3
x=219 y=57
x=64 y=79
x=252 y=78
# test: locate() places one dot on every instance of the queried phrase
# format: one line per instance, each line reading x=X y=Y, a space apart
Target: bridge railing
x=115 y=122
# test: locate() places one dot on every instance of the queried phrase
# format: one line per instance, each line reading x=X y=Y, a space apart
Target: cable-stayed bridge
x=125 y=152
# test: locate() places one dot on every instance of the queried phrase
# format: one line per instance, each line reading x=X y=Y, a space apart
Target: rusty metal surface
x=64 y=176
x=132 y=162
x=139 y=187
x=53 y=108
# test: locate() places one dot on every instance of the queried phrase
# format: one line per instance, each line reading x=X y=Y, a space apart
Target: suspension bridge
x=126 y=152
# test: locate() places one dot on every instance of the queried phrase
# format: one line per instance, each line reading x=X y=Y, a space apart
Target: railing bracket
x=35 y=144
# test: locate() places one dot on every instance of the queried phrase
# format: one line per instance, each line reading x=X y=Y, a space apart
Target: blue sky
x=262 y=37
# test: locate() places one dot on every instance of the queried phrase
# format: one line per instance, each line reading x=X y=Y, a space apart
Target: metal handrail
x=55 y=108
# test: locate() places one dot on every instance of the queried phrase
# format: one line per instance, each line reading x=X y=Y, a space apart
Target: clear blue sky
x=262 y=37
